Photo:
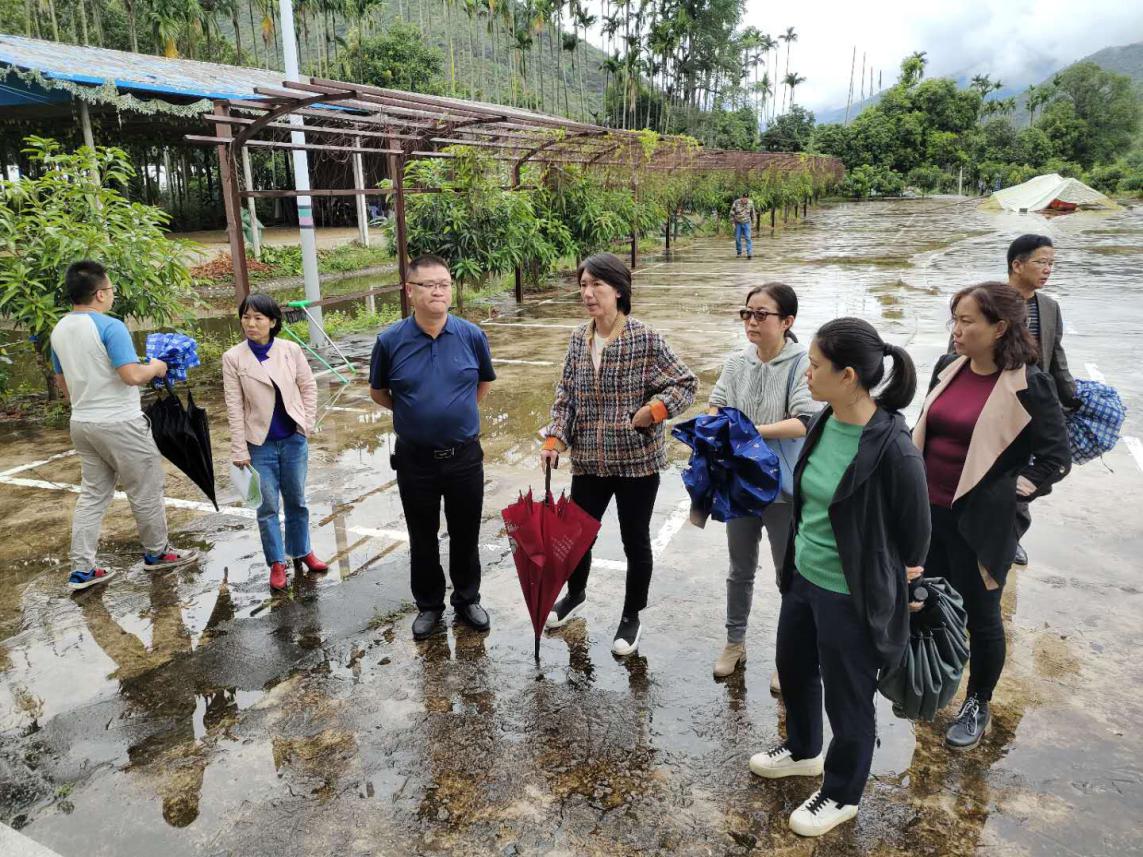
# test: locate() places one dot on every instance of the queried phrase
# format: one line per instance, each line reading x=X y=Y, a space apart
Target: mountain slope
x=1123 y=59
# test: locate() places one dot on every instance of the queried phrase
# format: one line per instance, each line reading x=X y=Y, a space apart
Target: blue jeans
x=281 y=465
x=742 y=230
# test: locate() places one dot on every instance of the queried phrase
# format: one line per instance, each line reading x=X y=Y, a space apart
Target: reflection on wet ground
x=190 y=713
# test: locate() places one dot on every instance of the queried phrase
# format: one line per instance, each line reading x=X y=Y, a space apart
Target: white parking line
x=672 y=525
x=36 y=464
x=1136 y=447
x=1094 y=373
x=243 y=512
x=173 y=502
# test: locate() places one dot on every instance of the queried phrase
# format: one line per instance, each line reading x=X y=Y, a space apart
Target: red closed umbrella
x=548 y=540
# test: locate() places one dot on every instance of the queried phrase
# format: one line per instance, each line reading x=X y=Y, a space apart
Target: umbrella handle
x=547 y=479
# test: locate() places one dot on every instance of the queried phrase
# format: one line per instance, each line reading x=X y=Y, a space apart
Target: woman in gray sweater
x=767 y=382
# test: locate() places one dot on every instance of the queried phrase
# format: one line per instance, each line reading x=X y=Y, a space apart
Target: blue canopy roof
x=136 y=73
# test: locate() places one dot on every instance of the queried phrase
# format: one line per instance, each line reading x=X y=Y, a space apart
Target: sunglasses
x=760 y=315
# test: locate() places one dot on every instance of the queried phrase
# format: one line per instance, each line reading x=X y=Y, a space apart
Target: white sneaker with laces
x=820 y=815
x=777 y=762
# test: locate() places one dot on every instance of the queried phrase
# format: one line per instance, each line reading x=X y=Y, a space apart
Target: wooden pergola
x=347 y=119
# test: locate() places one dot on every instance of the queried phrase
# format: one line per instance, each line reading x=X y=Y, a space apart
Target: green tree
x=790 y=132
x=1107 y=105
x=397 y=59
x=62 y=213
x=479 y=229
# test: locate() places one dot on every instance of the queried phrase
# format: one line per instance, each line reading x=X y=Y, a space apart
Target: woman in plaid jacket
x=620 y=382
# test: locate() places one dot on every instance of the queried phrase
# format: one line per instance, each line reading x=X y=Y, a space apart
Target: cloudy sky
x=1017 y=41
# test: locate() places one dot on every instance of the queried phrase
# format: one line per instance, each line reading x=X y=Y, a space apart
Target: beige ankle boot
x=733 y=655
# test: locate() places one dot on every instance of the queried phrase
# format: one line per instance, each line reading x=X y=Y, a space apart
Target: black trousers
x=423 y=481
x=634 y=501
x=952 y=558
x=1023 y=518
x=822 y=642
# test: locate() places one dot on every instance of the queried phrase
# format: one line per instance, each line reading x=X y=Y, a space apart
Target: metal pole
x=362 y=213
x=359 y=184
x=302 y=176
x=251 y=206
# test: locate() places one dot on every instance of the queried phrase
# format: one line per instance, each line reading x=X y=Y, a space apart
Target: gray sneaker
x=971 y=724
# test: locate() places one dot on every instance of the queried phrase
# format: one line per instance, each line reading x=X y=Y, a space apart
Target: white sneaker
x=566 y=609
x=820 y=815
x=777 y=762
x=626 y=640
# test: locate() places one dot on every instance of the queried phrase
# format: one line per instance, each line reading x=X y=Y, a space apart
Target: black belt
x=438 y=453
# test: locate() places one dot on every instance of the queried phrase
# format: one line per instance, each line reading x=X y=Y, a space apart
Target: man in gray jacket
x=1030 y=262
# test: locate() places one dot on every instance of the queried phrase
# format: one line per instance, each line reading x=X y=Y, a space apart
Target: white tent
x=1051 y=191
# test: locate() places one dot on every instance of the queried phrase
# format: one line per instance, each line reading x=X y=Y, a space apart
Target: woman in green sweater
x=860 y=532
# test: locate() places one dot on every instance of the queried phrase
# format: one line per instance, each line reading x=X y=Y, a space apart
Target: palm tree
x=763 y=90
x=585 y=20
x=792 y=81
x=1038 y=96
x=788 y=37
x=913 y=67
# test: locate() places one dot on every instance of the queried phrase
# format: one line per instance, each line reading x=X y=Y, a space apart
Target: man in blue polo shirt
x=431 y=370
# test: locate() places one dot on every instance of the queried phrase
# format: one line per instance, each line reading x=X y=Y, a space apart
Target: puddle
x=192 y=713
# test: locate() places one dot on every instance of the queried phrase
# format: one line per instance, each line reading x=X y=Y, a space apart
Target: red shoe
x=278 y=576
x=311 y=562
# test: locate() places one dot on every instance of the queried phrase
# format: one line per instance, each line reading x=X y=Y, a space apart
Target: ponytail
x=898 y=393
x=854 y=342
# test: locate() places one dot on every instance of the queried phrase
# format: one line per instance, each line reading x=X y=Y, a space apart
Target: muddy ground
x=189 y=713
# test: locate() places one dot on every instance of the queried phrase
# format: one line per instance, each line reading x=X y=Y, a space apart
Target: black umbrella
x=177 y=439
x=200 y=425
x=934 y=660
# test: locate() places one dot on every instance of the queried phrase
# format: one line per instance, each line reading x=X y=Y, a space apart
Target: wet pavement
x=189 y=713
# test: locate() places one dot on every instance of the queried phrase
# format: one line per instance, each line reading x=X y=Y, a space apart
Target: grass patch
x=381 y=620
x=343 y=323
x=280 y=262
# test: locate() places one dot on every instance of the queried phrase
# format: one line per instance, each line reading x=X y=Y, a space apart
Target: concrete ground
x=190 y=713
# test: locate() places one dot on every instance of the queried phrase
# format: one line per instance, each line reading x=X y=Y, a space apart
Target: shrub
x=75 y=209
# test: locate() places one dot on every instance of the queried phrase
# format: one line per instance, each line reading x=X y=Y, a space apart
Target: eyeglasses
x=1043 y=263
x=443 y=285
x=760 y=315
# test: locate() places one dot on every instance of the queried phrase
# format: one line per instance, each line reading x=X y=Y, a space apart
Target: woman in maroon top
x=992 y=433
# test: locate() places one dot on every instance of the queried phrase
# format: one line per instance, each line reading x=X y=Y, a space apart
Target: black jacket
x=986 y=514
x=880 y=517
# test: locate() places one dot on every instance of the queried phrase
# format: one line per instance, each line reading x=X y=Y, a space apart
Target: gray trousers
x=117 y=452
x=743 y=536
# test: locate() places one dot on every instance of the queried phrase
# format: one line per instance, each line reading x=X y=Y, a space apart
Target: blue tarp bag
x=177 y=350
x=1093 y=428
x=732 y=472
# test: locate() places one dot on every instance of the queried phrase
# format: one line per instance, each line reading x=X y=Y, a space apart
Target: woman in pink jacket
x=271 y=405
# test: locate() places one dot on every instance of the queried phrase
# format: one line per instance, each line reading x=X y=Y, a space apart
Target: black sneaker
x=1021 y=557
x=627 y=637
x=566 y=609
x=970 y=725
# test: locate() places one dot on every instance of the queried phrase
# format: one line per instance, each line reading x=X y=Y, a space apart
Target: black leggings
x=952 y=558
x=634 y=501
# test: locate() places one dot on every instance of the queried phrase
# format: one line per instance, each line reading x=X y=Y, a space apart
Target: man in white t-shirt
x=98 y=370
